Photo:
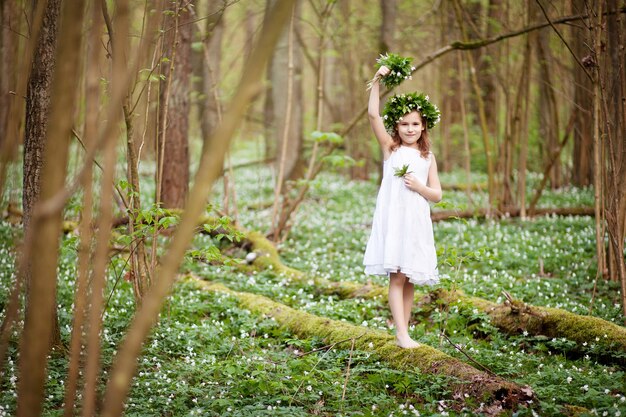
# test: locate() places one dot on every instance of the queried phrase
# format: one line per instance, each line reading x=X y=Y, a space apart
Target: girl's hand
x=382 y=71
x=412 y=183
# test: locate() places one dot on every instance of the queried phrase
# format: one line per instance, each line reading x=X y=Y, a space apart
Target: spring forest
x=189 y=191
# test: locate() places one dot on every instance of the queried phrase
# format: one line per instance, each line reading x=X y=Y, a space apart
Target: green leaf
x=402 y=171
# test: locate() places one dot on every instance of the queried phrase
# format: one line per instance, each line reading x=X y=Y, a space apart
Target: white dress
x=402 y=233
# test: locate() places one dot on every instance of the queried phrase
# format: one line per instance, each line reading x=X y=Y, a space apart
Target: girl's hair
x=423 y=143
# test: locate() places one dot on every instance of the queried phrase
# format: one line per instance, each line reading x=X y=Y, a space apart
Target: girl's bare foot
x=406 y=342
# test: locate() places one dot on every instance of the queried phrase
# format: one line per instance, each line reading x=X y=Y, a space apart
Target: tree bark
x=582 y=174
x=174 y=111
x=487 y=140
x=37 y=107
x=38 y=99
x=209 y=73
x=488 y=65
x=34 y=344
x=8 y=57
x=522 y=128
x=449 y=85
x=612 y=81
x=548 y=114
x=81 y=304
x=351 y=65
x=388 y=26
x=276 y=101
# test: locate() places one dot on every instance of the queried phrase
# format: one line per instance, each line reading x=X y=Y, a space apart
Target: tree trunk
x=37 y=111
x=444 y=81
x=388 y=26
x=515 y=317
x=276 y=101
x=613 y=92
x=582 y=174
x=482 y=115
x=349 y=96
x=37 y=107
x=174 y=107
x=85 y=233
x=547 y=109
x=34 y=345
x=387 y=36
x=208 y=73
x=522 y=128
x=8 y=57
x=487 y=66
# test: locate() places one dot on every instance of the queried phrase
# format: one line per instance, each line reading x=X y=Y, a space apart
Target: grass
x=208 y=356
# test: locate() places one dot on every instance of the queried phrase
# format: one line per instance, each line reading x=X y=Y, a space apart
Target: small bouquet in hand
x=401 y=172
x=400 y=70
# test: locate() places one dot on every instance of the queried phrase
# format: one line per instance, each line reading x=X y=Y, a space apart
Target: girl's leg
x=396 y=304
x=408 y=296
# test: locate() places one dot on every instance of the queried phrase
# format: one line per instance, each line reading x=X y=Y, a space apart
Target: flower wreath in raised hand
x=400 y=69
x=401 y=104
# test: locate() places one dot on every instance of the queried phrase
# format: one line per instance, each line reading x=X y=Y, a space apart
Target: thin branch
x=489 y=371
x=77 y=183
x=330 y=346
x=470 y=45
x=345 y=383
x=578 y=61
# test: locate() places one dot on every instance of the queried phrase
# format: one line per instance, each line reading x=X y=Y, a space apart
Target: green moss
x=516 y=317
x=513 y=317
x=469 y=380
x=267 y=255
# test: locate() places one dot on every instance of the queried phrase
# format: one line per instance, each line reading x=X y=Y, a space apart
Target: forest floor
x=210 y=356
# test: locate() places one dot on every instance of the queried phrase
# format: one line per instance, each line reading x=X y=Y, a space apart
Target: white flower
x=427 y=98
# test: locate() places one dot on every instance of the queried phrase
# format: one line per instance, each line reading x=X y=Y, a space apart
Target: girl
x=401 y=244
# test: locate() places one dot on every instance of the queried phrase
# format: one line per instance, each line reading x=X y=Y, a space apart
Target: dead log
x=480 y=386
x=512 y=317
x=464 y=187
x=437 y=216
x=516 y=317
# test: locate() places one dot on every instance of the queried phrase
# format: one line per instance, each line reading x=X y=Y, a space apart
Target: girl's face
x=410 y=128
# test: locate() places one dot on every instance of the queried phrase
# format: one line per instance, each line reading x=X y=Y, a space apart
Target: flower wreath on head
x=402 y=104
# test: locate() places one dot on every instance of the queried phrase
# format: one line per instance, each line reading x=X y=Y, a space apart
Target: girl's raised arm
x=373 y=111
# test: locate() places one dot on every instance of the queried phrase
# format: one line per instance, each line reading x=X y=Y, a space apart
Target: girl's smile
x=410 y=129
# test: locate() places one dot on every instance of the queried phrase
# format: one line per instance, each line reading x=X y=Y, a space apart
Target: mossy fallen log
x=471 y=386
x=442 y=215
x=515 y=317
x=268 y=258
x=512 y=317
